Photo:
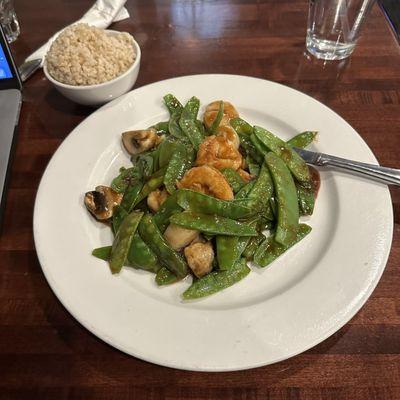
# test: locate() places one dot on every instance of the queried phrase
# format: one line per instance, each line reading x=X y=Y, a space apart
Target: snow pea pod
x=152 y=236
x=165 y=277
x=140 y=256
x=252 y=246
x=168 y=208
x=249 y=148
x=102 y=252
x=152 y=184
x=269 y=250
x=286 y=197
x=123 y=240
x=188 y=124
x=230 y=248
x=202 y=203
x=130 y=196
x=166 y=148
x=235 y=181
x=262 y=189
x=241 y=126
x=295 y=163
x=146 y=162
x=158 y=173
x=227 y=251
x=244 y=240
x=172 y=103
x=175 y=110
x=201 y=127
x=174 y=128
x=126 y=177
x=267 y=218
x=180 y=162
x=218 y=118
x=302 y=140
x=245 y=190
x=118 y=215
x=259 y=146
x=216 y=281
x=254 y=167
x=306 y=199
x=214 y=224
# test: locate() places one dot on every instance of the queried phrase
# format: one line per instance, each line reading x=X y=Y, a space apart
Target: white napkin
x=101 y=15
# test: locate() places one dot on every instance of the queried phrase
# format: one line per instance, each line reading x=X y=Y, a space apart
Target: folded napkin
x=101 y=15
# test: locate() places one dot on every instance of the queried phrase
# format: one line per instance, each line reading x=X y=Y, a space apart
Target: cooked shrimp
x=156 y=198
x=212 y=111
x=199 y=257
x=245 y=175
x=229 y=134
x=218 y=152
x=208 y=180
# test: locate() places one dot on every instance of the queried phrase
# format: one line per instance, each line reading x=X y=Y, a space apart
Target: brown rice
x=85 y=55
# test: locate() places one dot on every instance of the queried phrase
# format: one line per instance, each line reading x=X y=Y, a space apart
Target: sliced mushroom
x=101 y=202
x=199 y=257
x=136 y=142
x=179 y=237
x=156 y=198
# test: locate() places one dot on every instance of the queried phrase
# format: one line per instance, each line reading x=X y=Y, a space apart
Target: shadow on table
x=61 y=104
x=319 y=78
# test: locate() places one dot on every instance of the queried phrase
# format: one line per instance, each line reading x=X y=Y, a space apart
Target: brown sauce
x=315 y=179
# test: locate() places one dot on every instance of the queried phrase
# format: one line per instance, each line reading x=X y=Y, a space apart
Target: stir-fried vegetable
x=217 y=281
x=200 y=196
x=212 y=224
x=168 y=257
x=295 y=163
x=188 y=124
x=123 y=240
x=286 y=196
x=270 y=249
x=202 y=203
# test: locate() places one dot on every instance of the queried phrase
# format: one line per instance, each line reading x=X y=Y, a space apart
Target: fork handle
x=384 y=174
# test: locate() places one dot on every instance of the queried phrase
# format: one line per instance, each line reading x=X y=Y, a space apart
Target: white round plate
x=275 y=313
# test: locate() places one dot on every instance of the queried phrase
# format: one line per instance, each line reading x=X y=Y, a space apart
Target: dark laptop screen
x=5 y=71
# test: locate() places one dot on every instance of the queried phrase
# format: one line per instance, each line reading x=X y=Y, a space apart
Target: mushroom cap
x=101 y=202
x=136 y=142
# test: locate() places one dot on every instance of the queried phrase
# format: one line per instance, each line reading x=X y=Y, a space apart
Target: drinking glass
x=334 y=27
x=8 y=20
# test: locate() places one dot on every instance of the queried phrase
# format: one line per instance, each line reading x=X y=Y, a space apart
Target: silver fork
x=390 y=176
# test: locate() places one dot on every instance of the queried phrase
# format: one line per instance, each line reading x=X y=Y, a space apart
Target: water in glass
x=334 y=27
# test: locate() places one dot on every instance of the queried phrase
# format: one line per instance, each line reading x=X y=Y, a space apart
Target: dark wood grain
x=46 y=354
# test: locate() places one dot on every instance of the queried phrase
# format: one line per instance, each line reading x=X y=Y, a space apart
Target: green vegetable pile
x=281 y=190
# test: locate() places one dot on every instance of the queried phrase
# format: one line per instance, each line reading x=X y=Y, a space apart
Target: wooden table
x=46 y=354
